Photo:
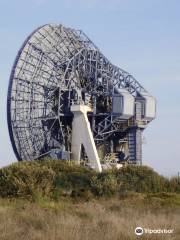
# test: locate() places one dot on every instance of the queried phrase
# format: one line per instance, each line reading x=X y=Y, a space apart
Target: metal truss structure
x=56 y=67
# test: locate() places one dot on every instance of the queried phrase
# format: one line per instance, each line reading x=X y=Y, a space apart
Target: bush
x=140 y=179
x=174 y=184
x=55 y=179
x=104 y=184
x=25 y=179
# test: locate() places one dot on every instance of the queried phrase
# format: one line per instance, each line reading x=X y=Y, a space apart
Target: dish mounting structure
x=67 y=100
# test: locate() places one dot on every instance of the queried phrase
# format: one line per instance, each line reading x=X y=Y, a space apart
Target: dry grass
x=110 y=219
x=67 y=202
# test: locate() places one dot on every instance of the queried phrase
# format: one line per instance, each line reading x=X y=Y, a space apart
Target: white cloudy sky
x=143 y=37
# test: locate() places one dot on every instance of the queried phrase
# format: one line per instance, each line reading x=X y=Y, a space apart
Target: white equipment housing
x=123 y=103
x=150 y=106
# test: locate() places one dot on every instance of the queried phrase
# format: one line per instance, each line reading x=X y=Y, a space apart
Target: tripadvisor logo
x=139 y=231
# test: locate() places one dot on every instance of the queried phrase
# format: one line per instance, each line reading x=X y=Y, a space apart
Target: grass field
x=51 y=200
x=111 y=219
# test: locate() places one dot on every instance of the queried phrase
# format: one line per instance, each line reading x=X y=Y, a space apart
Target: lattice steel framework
x=54 y=64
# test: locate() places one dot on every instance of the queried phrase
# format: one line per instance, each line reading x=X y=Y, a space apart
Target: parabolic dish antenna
x=58 y=69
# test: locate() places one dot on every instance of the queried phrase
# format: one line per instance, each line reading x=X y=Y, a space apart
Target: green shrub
x=104 y=184
x=25 y=179
x=174 y=184
x=55 y=179
x=140 y=179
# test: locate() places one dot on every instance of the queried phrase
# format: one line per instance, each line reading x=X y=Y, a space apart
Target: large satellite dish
x=58 y=68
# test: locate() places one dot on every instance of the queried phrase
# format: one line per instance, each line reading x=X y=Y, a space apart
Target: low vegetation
x=98 y=219
x=56 y=179
x=54 y=200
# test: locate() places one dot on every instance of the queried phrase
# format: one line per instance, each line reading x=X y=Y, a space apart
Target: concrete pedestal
x=82 y=135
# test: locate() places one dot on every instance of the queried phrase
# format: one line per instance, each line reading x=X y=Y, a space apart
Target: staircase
x=135 y=146
x=108 y=126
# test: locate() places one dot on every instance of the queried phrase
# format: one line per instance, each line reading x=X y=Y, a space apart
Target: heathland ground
x=50 y=200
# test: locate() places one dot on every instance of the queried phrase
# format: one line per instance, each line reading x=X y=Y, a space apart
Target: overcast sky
x=142 y=37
